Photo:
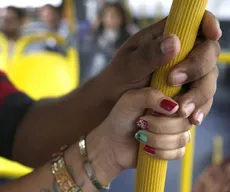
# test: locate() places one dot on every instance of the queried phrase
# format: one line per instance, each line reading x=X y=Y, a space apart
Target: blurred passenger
x=12 y=22
x=51 y=16
x=110 y=34
x=112 y=29
x=215 y=178
x=50 y=20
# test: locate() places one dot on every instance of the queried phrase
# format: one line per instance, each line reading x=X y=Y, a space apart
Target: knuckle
x=183 y=139
x=159 y=129
x=152 y=94
x=157 y=143
x=216 y=71
x=155 y=93
x=173 y=154
x=191 y=94
x=199 y=70
x=200 y=93
x=165 y=155
x=217 y=47
x=205 y=95
x=180 y=153
x=207 y=107
x=188 y=125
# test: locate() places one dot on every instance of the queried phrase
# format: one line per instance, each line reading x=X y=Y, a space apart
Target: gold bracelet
x=64 y=180
x=88 y=166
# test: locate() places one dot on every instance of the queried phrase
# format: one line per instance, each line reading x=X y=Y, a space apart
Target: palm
x=122 y=133
x=126 y=152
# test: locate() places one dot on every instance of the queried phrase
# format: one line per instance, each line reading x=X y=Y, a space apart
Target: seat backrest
x=12 y=170
x=41 y=75
x=44 y=73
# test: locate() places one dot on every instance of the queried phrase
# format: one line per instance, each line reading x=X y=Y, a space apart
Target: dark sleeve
x=13 y=107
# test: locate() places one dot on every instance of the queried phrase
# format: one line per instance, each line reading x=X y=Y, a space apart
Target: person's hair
x=21 y=13
x=56 y=9
x=123 y=28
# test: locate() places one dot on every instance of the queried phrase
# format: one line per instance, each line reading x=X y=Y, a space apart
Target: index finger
x=199 y=94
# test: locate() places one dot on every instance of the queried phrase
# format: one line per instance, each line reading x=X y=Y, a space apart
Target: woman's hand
x=143 y=53
x=164 y=136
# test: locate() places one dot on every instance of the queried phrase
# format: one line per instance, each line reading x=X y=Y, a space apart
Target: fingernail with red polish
x=149 y=149
x=167 y=105
x=142 y=124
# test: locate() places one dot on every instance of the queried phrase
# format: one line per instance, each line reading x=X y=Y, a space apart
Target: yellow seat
x=39 y=74
x=44 y=74
x=10 y=169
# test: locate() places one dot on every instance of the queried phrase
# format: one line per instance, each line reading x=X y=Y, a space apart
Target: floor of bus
x=216 y=124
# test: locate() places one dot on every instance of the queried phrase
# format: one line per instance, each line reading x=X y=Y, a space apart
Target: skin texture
x=113 y=139
x=50 y=124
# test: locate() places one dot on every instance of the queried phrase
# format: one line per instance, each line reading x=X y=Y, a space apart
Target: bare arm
x=50 y=124
x=42 y=180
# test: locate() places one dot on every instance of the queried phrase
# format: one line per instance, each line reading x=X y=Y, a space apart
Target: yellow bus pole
x=186 y=176
x=224 y=57
x=184 y=21
x=71 y=14
x=217 y=157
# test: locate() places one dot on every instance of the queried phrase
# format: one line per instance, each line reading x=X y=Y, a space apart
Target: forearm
x=39 y=181
x=42 y=180
x=52 y=123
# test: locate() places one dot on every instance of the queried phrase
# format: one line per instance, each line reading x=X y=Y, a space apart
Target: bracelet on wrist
x=59 y=170
x=88 y=166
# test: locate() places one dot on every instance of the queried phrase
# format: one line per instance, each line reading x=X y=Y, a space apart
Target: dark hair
x=56 y=9
x=21 y=13
x=124 y=35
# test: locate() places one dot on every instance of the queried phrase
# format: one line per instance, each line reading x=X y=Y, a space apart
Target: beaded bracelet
x=88 y=166
x=64 y=180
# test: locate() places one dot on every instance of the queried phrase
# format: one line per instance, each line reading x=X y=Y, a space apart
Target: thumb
x=155 y=53
x=136 y=101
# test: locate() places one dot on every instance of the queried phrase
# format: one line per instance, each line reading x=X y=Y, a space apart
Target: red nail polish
x=149 y=149
x=168 y=105
x=142 y=124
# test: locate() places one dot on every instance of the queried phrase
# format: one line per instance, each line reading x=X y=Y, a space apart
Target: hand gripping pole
x=184 y=21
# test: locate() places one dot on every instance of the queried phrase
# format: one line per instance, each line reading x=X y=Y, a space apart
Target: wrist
x=102 y=161
x=110 y=87
x=102 y=158
x=75 y=164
